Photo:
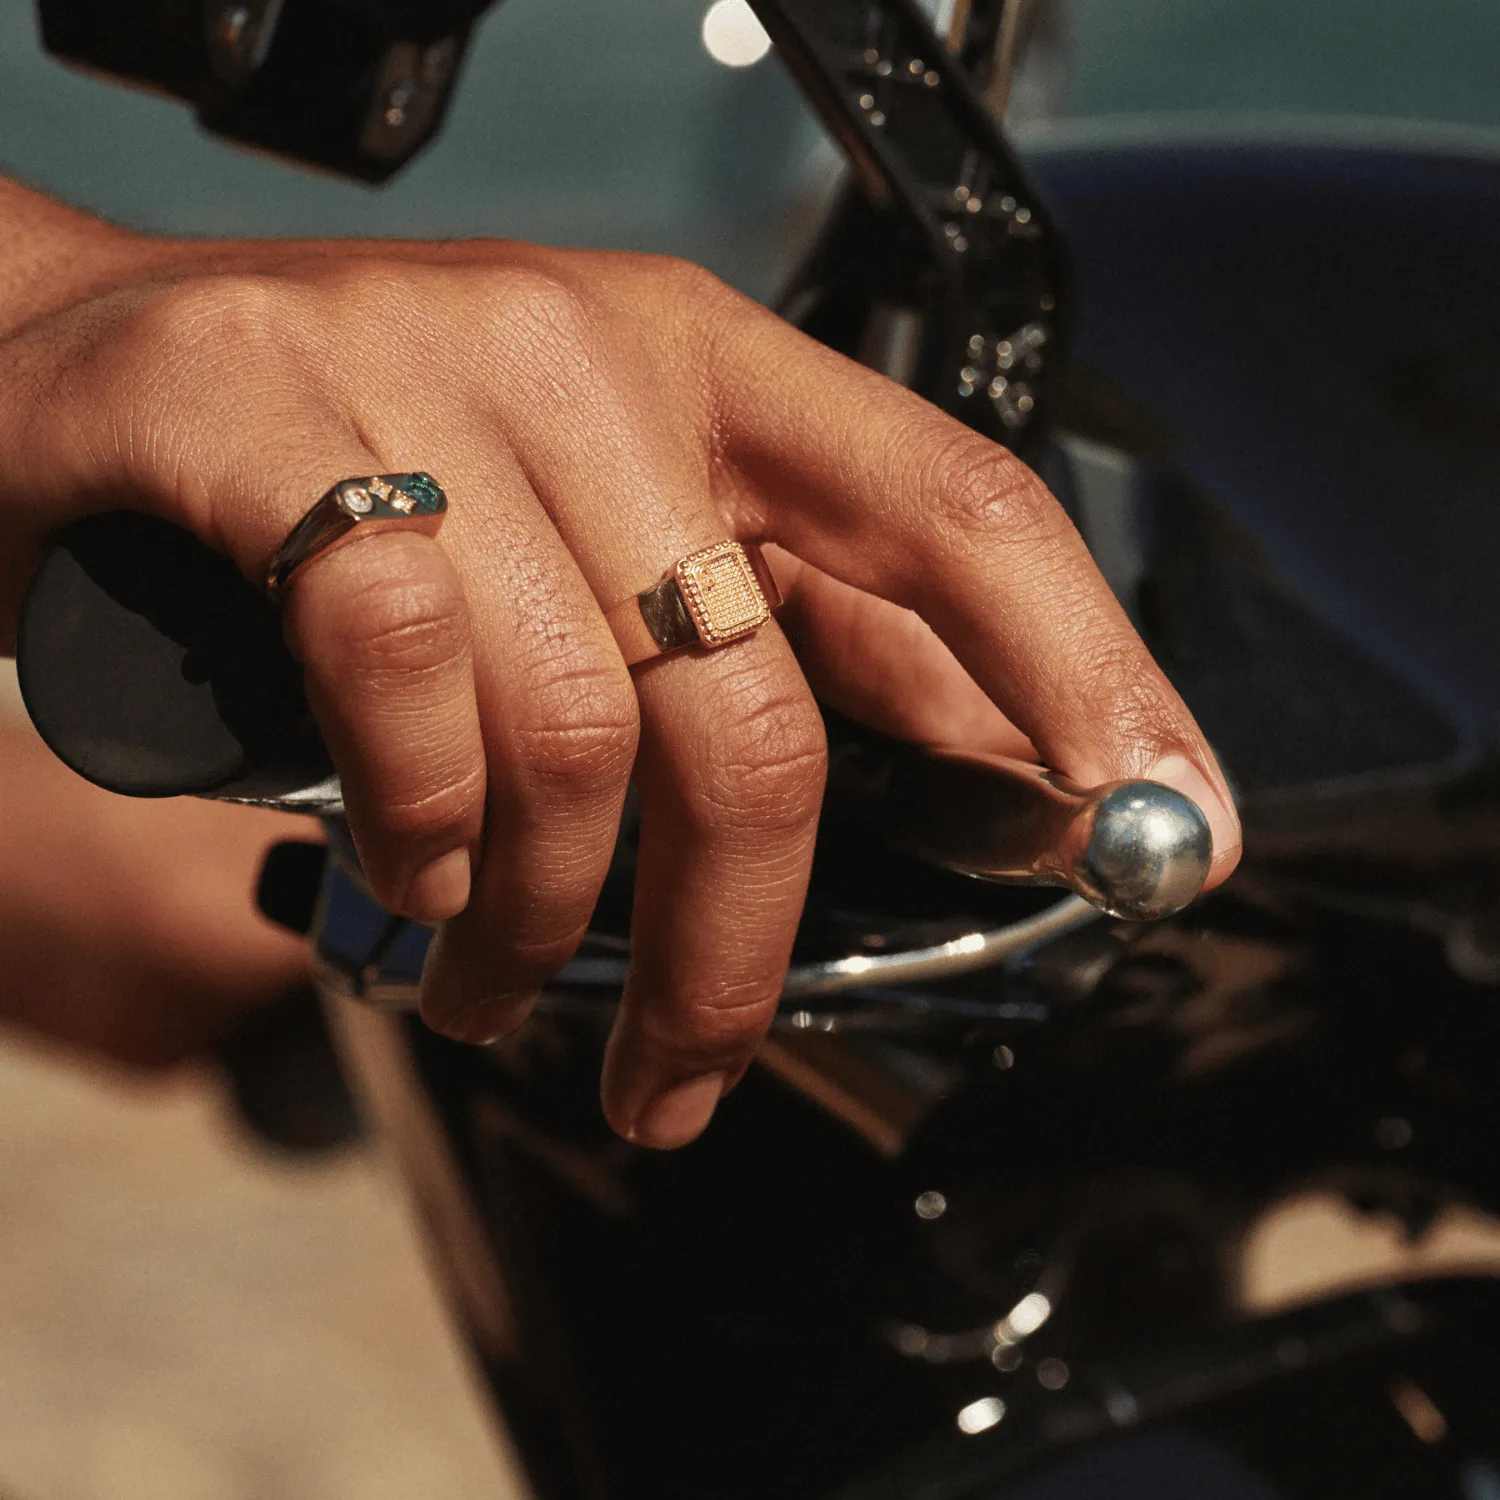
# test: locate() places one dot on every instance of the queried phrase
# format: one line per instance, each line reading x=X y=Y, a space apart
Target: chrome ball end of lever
x=1137 y=850
x=1148 y=852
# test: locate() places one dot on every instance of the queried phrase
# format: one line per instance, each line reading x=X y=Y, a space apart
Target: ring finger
x=559 y=720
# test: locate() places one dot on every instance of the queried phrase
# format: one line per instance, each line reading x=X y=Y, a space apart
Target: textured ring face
x=722 y=593
x=713 y=597
x=379 y=501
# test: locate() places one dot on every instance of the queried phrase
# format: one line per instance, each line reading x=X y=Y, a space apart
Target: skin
x=593 y=417
x=125 y=926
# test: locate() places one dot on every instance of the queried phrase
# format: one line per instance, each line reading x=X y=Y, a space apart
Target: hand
x=126 y=927
x=593 y=417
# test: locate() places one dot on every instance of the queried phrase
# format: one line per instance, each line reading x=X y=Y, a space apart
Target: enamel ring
x=713 y=597
x=357 y=506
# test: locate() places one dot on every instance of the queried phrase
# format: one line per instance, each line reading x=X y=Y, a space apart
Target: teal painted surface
x=577 y=122
x=1422 y=60
x=603 y=122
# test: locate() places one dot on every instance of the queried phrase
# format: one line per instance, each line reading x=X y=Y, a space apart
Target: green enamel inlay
x=423 y=488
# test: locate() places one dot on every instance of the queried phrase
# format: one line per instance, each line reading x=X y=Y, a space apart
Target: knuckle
x=239 y=316
x=363 y=285
x=977 y=490
x=765 y=763
x=581 y=731
x=417 y=814
x=700 y=316
x=708 y=1028
x=409 y=621
x=540 y=327
x=667 y=284
x=686 y=284
x=1129 y=700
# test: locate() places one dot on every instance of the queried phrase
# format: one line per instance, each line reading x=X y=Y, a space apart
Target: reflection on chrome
x=963 y=955
x=1023 y=1319
x=986 y=1343
x=966 y=954
x=980 y=1415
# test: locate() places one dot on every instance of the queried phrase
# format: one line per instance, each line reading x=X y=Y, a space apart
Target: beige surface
x=1317 y=1245
x=182 y=1317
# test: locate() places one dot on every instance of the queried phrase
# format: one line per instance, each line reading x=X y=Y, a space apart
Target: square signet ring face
x=722 y=593
x=713 y=597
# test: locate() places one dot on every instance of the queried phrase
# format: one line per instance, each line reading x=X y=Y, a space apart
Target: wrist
x=52 y=256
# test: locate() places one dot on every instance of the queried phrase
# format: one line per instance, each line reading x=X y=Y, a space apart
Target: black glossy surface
x=727 y=1320
x=153 y=668
x=1305 y=338
x=317 y=87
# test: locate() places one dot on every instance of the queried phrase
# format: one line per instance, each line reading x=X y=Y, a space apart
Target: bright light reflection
x=1028 y=1315
x=970 y=943
x=733 y=35
x=981 y=1415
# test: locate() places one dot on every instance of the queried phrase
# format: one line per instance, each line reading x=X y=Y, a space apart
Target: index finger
x=885 y=492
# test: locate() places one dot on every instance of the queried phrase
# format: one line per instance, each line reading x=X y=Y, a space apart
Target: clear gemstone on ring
x=358 y=501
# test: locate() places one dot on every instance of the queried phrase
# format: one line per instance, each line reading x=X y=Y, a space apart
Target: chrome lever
x=1138 y=850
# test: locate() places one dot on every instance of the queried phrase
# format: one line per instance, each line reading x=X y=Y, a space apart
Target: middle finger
x=730 y=769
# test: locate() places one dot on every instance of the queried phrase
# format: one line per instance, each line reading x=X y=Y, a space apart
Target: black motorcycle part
x=290 y=880
x=161 y=43
x=153 y=668
x=353 y=86
x=944 y=269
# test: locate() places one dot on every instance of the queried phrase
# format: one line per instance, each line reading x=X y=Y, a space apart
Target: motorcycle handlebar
x=153 y=668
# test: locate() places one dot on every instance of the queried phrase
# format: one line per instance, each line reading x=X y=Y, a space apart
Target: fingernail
x=1178 y=772
x=678 y=1116
x=441 y=889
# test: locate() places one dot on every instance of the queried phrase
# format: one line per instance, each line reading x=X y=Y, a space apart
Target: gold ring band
x=413 y=501
x=711 y=598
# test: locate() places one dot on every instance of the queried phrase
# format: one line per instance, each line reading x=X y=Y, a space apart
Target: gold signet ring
x=712 y=597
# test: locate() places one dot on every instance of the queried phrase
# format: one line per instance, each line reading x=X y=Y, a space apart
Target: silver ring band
x=378 y=502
